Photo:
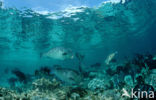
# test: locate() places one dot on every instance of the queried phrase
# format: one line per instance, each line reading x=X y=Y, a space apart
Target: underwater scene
x=106 y=52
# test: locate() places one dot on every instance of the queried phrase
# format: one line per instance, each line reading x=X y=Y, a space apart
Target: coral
x=44 y=89
x=6 y=94
x=118 y=81
x=96 y=84
x=77 y=92
x=56 y=94
x=89 y=96
x=128 y=80
x=36 y=95
x=151 y=78
x=75 y=96
x=49 y=89
x=111 y=94
x=45 y=84
x=61 y=92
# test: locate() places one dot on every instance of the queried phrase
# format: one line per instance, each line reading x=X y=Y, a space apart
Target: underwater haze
x=123 y=26
x=127 y=28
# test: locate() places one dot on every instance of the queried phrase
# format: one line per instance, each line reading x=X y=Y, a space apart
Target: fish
x=66 y=75
x=59 y=53
x=110 y=58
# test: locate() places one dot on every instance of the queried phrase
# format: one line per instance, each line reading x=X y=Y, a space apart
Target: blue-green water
x=127 y=28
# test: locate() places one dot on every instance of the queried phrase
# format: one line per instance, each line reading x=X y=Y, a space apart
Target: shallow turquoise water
x=94 y=32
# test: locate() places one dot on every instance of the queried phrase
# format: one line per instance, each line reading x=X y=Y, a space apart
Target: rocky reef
x=108 y=84
x=50 y=90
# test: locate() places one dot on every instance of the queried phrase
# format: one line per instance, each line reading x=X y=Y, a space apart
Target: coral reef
x=128 y=80
x=45 y=84
x=6 y=94
x=43 y=89
x=151 y=78
x=96 y=85
x=68 y=50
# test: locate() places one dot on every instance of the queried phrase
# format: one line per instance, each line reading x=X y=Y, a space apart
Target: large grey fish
x=59 y=53
x=67 y=75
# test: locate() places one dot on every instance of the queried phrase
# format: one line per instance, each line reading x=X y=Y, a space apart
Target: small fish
x=110 y=58
x=66 y=75
x=59 y=53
